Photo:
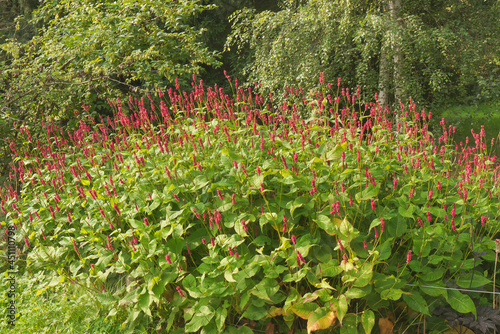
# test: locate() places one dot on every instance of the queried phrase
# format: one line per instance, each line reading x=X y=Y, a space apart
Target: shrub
x=208 y=213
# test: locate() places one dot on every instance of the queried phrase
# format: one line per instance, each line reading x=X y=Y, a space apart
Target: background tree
x=85 y=52
x=436 y=52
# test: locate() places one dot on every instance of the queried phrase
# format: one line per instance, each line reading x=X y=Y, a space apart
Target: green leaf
x=325 y=223
x=304 y=310
x=200 y=318
x=392 y=294
x=228 y=275
x=350 y=324
x=355 y=293
x=342 y=307
x=416 y=302
x=364 y=275
x=460 y=302
x=434 y=289
x=368 y=193
x=368 y=321
x=470 y=280
x=406 y=212
x=144 y=301
x=255 y=312
x=220 y=318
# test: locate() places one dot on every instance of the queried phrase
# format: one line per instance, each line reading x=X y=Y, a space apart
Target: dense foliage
x=436 y=52
x=214 y=213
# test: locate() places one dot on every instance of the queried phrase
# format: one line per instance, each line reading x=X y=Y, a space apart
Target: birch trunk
x=394 y=9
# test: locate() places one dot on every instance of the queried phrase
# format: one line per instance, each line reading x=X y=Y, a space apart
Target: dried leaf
x=386 y=326
x=269 y=328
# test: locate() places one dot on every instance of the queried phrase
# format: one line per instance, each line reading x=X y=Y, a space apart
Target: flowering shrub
x=208 y=213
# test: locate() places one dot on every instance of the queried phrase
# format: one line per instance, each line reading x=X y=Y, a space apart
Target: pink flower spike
x=220 y=194
x=373 y=205
x=483 y=220
x=429 y=217
x=284 y=227
x=146 y=222
x=294 y=240
x=117 y=210
x=167 y=257
x=382 y=225
x=26 y=241
x=365 y=245
x=180 y=292
x=340 y=245
x=408 y=256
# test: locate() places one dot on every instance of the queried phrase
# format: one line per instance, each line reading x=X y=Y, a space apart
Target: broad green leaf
x=304 y=310
x=355 y=293
x=392 y=294
x=350 y=324
x=144 y=301
x=200 y=318
x=368 y=321
x=406 y=211
x=342 y=308
x=255 y=312
x=416 y=302
x=460 y=302
x=229 y=276
x=364 y=275
x=325 y=223
x=220 y=318
x=470 y=280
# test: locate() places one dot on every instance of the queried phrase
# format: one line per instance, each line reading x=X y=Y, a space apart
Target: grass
x=470 y=117
x=64 y=308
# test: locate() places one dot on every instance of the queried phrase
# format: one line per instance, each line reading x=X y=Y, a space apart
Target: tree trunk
x=394 y=9
x=384 y=77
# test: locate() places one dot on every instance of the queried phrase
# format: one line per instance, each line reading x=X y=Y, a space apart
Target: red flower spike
x=408 y=256
x=117 y=210
x=180 y=292
x=340 y=245
x=146 y=222
x=167 y=257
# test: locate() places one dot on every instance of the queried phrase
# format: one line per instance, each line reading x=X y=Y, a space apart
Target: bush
x=213 y=214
